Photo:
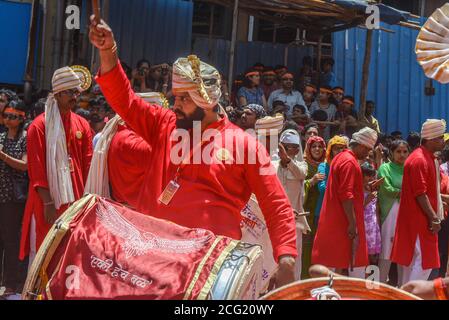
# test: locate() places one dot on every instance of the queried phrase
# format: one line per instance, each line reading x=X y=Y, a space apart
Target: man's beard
x=187 y=122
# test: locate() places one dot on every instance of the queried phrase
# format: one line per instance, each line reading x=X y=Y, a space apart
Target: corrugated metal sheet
x=396 y=80
x=157 y=30
x=14 y=28
x=248 y=53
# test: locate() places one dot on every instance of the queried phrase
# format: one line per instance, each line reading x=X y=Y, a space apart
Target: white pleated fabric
x=98 y=179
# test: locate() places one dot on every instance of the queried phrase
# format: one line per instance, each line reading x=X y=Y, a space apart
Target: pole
x=365 y=74
x=319 y=56
x=28 y=86
x=235 y=19
x=211 y=29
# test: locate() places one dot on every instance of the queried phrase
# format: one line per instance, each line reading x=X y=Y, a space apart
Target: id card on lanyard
x=174 y=186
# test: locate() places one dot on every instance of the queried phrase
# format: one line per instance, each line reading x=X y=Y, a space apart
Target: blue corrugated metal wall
x=396 y=80
x=157 y=30
x=14 y=28
x=247 y=54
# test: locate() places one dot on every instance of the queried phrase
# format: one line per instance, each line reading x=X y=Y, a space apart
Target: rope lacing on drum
x=327 y=292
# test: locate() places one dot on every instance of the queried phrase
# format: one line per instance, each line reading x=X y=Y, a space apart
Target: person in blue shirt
x=251 y=92
x=328 y=77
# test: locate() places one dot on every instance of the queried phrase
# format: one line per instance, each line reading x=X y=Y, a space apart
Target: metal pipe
x=251 y=29
x=235 y=19
x=28 y=77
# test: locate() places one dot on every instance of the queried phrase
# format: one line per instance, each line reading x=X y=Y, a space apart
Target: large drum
x=101 y=250
x=338 y=288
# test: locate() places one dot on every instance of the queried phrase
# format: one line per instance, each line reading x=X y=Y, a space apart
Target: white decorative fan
x=432 y=45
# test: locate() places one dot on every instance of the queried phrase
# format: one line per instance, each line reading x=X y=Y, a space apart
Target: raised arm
x=146 y=120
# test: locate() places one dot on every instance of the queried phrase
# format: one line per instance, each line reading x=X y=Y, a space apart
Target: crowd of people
x=361 y=197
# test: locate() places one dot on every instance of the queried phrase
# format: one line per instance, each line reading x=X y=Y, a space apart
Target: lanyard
x=187 y=159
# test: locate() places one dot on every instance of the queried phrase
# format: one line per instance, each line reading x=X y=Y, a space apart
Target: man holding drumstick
x=199 y=195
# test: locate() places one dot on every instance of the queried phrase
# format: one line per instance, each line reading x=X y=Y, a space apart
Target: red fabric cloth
x=211 y=196
x=419 y=178
x=332 y=246
x=79 y=138
x=127 y=163
x=94 y=251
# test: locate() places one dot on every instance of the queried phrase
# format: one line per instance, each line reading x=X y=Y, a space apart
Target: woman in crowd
x=315 y=153
x=310 y=130
x=389 y=195
x=336 y=145
x=13 y=192
x=251 y=92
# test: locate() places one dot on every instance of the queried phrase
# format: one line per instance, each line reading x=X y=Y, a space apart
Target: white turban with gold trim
x=200 y=80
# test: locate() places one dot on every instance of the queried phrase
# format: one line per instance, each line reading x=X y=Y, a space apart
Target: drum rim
x=50 y=244
x=338 y=282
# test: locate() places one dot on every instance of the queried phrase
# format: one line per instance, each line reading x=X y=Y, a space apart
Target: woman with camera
x=13 y=192
x=147 y=78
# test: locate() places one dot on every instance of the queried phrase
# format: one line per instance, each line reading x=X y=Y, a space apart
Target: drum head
x=347 y=288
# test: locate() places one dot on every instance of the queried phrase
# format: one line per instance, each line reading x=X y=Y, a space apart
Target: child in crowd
x=372 y=218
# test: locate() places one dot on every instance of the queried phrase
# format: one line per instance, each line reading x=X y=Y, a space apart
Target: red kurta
x=127 y=163
x=211 y=196
x=419 y=178
x=332 y=246
x=78 y=132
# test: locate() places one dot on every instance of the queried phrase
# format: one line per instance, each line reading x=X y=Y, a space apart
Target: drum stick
x=301 y=214
x=319 y=271
x=96 y=10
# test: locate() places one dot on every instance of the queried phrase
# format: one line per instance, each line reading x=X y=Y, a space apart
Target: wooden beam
x=319 y=56
x=235 y=18
x=410 y=25
x=365 y=74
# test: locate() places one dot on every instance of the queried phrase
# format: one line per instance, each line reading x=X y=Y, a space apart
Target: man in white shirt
x=287 y=95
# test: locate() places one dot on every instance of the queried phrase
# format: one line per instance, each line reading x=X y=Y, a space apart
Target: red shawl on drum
x=112 y=252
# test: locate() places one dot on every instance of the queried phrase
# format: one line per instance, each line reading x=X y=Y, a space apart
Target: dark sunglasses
x=10 y=116
x=291 y=146
x=71 y=92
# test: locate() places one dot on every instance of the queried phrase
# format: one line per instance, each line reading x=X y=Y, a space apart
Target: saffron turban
x=200 y=80
x=270 y=125
x=433 y=128
x=75 y=77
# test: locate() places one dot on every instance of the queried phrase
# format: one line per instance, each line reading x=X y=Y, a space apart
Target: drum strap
x=201 y=266
x=216 y=269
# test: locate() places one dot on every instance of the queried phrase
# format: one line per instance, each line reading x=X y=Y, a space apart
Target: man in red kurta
x=43 y=207
x=415 y=246
x=198 y=194
x=340 y=241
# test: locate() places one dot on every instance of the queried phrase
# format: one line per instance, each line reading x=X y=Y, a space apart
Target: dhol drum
x=326 y=285
x=99 y=249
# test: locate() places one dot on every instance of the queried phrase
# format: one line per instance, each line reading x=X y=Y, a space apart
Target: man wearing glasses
x=287 y=95
x=59 y=148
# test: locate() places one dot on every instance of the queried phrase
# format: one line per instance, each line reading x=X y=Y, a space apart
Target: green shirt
x=390 y=190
